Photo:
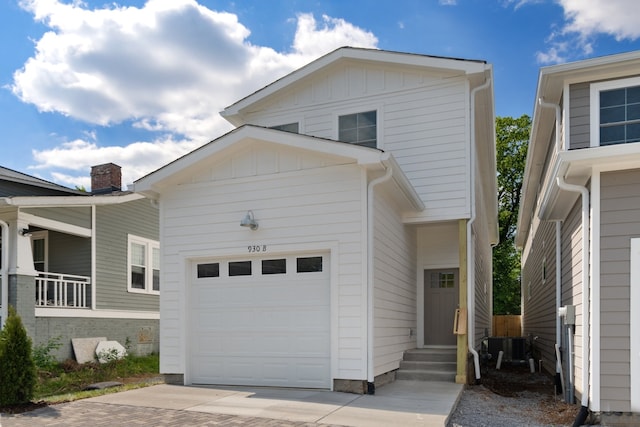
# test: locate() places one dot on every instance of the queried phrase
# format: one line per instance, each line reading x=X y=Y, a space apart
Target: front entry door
x=440 y=303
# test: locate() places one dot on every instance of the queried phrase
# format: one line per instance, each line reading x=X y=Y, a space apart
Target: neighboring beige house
x=342 y=223
x=579 y=229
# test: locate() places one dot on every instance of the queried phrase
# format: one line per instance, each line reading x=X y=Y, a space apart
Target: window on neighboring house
x=144 y=265
x=358 y=128
x=289 y=127
x=39 y=249
x=616 y=105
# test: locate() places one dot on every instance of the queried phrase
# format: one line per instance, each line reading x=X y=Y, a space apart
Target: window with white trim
x=615 y=112
x=143 y=265
x=359 y=128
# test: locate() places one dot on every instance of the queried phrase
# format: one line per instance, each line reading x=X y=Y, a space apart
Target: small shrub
x=42 y=356
x=18 y=372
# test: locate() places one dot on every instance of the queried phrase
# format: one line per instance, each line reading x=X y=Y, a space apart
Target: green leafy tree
x=512 y=139
x=17 y=369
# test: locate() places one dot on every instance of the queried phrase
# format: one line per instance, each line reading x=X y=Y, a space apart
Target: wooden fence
x=507 y=326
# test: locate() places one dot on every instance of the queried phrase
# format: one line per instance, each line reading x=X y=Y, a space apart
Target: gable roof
x=151 y=184
x=234 y=112
x=551 y=89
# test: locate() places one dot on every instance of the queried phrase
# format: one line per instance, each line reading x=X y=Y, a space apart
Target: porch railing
x=62 y=290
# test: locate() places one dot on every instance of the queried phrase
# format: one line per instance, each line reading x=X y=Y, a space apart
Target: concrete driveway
x=401 y=403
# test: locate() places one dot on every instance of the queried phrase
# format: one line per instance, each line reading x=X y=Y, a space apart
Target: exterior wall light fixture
x=26 y=232
x=249 y=221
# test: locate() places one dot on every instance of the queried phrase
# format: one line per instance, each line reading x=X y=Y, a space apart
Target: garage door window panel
x=208 y=270
x=274 y=266
x=240 y=268
x=309 y=264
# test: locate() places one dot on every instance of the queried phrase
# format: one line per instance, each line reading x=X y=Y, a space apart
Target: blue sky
x=139 y=83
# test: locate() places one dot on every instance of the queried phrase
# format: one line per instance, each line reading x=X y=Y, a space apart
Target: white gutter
x=471 y=299
x=4 y=302
x=585 y=284
x=370 y=207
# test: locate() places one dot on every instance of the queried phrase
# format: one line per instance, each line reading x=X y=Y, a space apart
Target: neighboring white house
x=292 y=259
x=579 y=230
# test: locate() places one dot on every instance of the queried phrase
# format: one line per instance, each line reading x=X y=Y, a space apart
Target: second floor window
x=144 y=265
x=615 y=112
x=358 y=128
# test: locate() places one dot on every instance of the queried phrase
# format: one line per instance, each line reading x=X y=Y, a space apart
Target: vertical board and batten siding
x=619 y=221
x=422 y=121
x=314 y=210
x=394 y=283
x=113 y=224
x=579 y=116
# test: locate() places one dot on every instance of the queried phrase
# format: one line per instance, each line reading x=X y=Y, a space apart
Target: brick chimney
x=106 y=178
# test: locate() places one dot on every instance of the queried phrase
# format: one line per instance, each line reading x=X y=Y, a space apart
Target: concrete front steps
x=428 y=364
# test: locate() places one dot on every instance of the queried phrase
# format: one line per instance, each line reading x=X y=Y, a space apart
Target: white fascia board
x=151 y=184
x=463 y=66
x=51 y=224
x=95 y=314
x=68 y=201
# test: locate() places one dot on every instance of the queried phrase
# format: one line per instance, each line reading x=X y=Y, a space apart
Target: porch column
x=462 y=346
x=22 y=274
x=22 y=296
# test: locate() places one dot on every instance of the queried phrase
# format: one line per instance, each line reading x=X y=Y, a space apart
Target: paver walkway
x=83 y=413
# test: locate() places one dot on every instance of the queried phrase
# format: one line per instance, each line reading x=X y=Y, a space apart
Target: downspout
x=370 y=207
x=558 y=300
x=558 y=118
x=585 y=291
x=3 y=273
x=556 y=107
x=471 y=299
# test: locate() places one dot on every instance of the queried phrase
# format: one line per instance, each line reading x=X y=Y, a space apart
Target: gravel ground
x=513 y=397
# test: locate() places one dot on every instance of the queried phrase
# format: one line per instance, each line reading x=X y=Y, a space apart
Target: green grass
x=66 y=381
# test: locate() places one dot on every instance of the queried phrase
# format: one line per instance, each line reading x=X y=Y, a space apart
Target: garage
x=262 y=321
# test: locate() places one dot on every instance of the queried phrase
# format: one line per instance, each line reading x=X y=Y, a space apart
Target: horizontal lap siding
x=572 y=285
x=483 y=275
x=321 y=206
x=80 y=216
x=422 y=121
x=619 y=222
x=394 y=284
x=113 y=224
x=579 y=114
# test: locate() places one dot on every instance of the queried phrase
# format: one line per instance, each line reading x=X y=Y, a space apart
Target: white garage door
x=261 y=321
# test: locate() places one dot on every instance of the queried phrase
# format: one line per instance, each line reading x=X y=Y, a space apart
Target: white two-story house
x=348 y=218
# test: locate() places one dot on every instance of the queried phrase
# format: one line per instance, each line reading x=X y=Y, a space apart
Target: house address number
x=257 y=248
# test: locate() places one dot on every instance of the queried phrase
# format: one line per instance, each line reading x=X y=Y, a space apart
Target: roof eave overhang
x=151 y=185
x=576 y=167
x=68 y=201
x=551 y=82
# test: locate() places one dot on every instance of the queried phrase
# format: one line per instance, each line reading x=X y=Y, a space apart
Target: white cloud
x=168 y=67
x=587 y=19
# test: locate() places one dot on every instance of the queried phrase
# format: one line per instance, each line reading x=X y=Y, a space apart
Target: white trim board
x=634 y=329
